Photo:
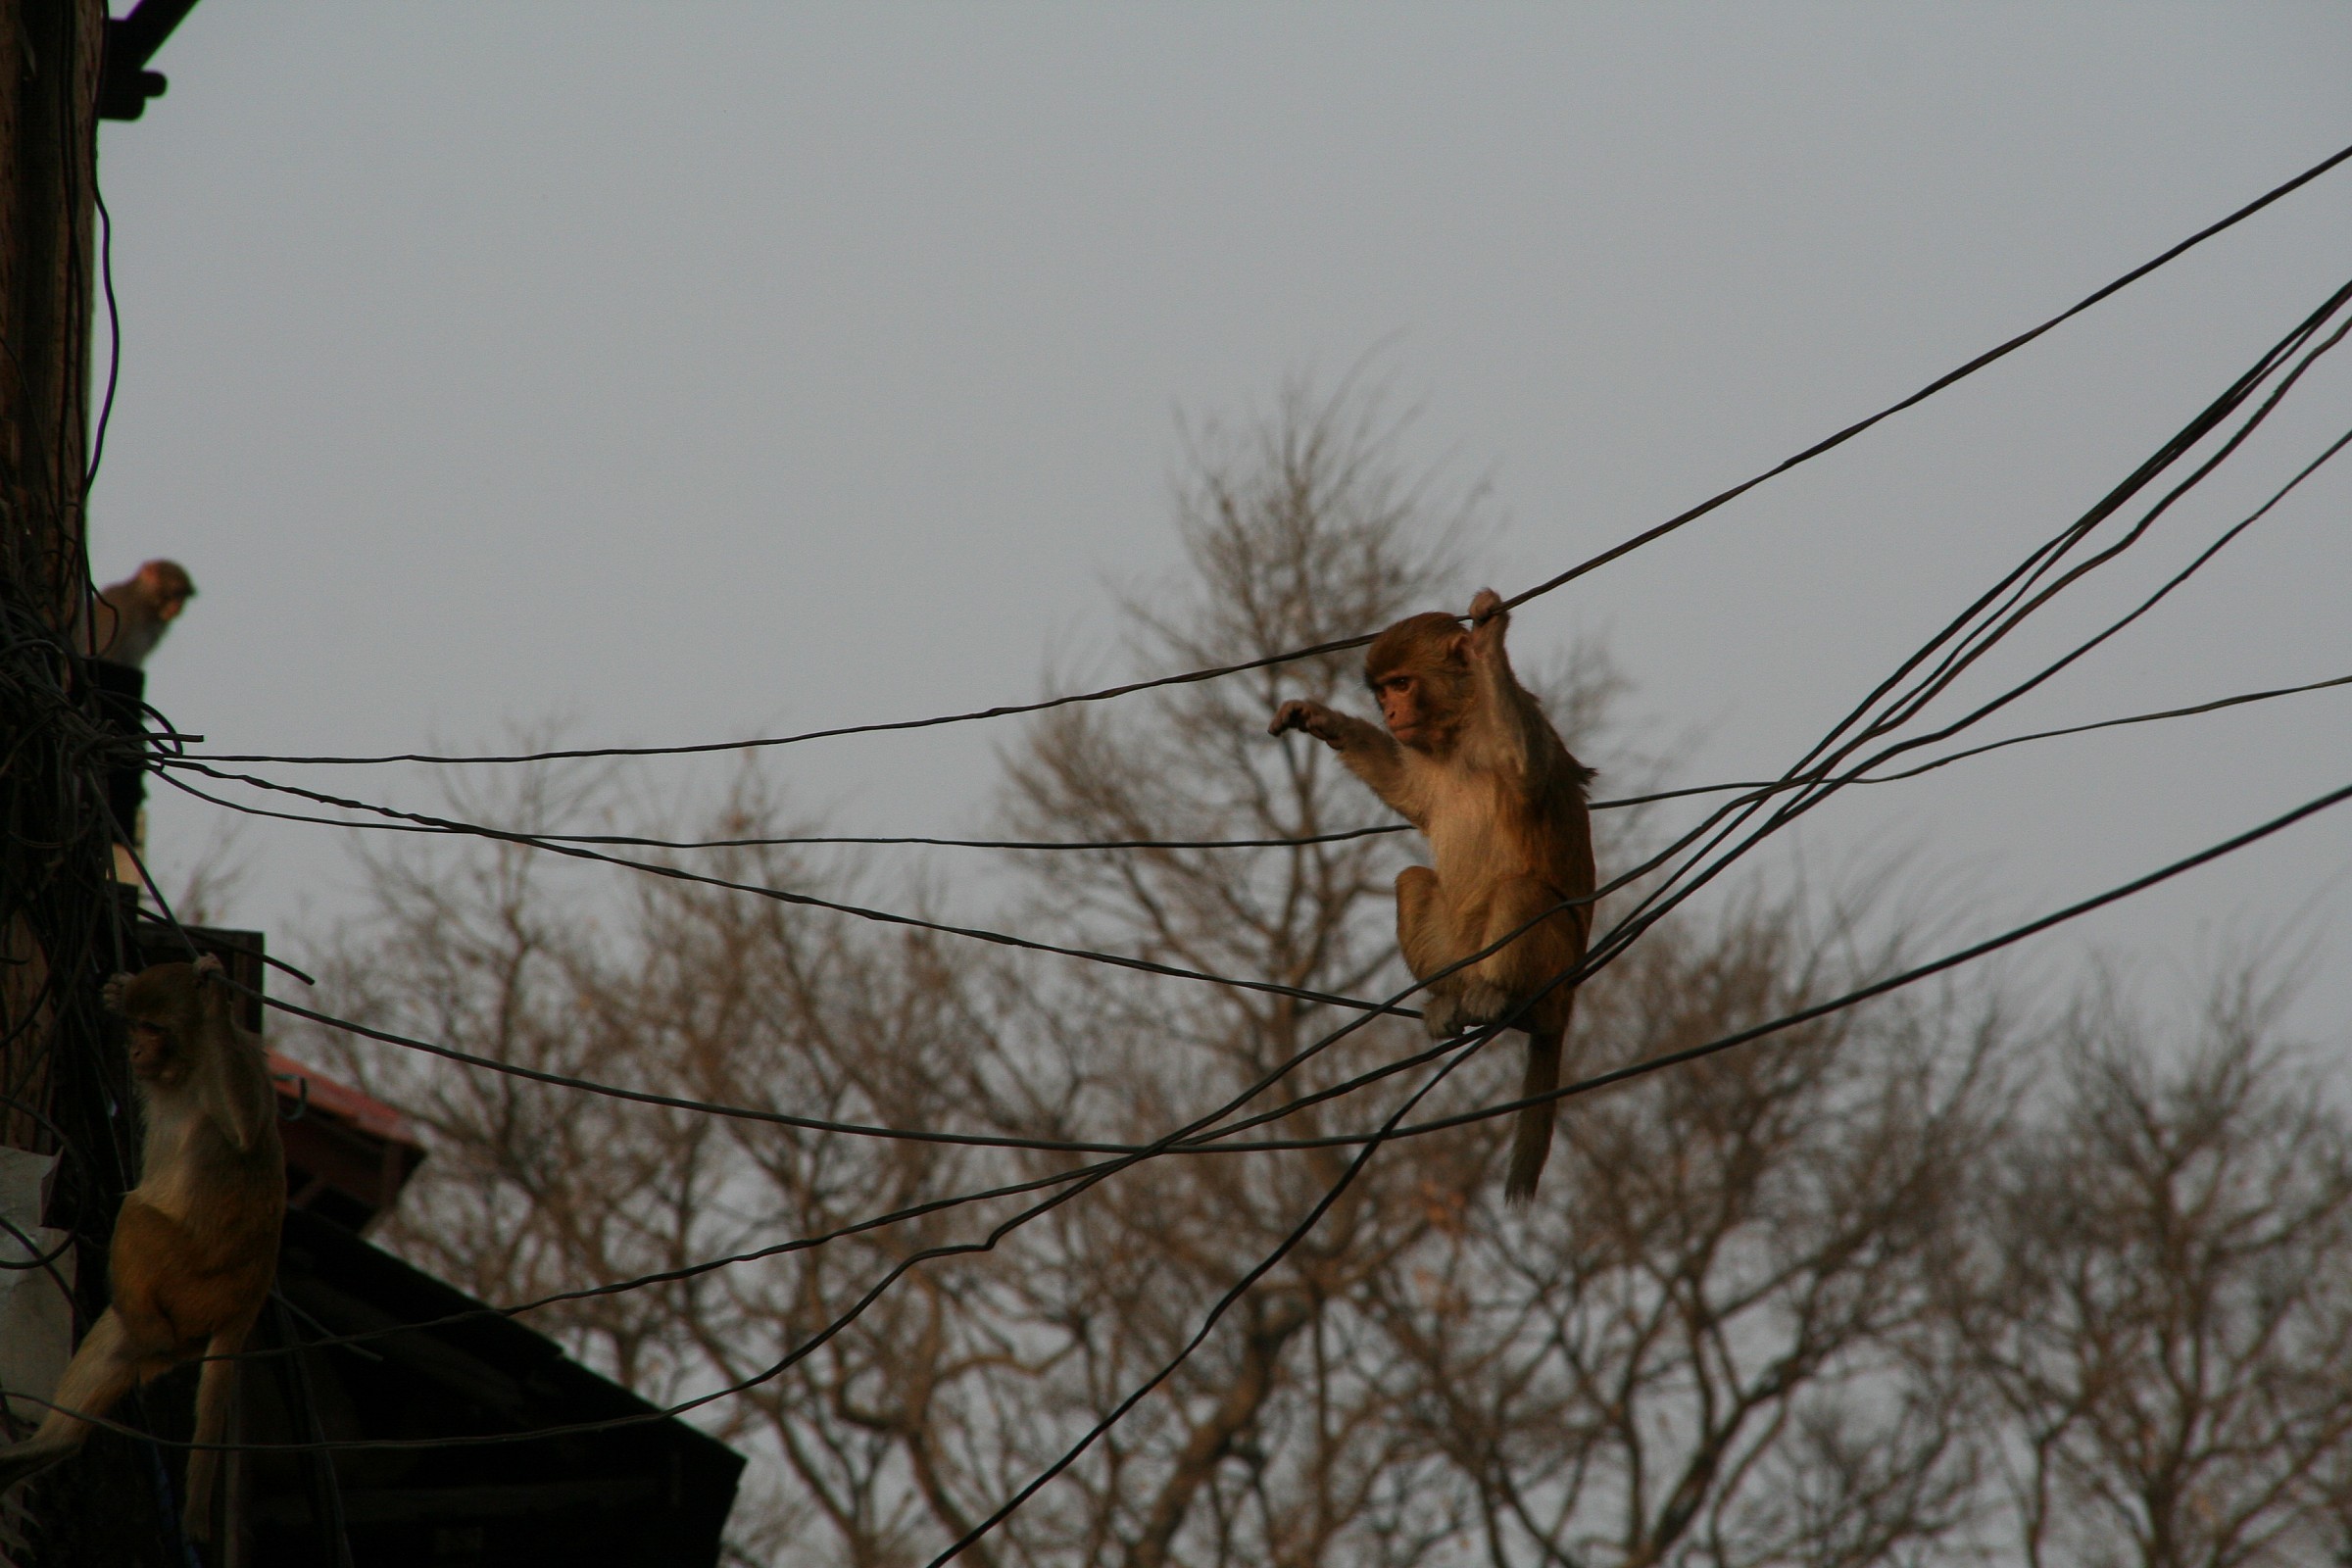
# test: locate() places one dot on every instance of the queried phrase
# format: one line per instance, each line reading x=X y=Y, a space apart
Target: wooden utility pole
x=49 y=70
x=51 y=52
x=62 y=1086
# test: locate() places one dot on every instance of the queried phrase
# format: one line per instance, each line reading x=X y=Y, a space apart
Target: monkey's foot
x=21 y=1461
x=1441 y=1014
x=1483 y=1003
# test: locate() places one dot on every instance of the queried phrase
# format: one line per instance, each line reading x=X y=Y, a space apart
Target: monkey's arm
x=1527 y=736
x=237 y=1090
x=1370 y=752
x=234 y=1083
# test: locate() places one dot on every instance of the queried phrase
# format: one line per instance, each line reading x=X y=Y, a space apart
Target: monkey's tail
x=1531 y=1136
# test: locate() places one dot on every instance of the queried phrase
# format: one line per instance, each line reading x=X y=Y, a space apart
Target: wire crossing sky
x=725 y=377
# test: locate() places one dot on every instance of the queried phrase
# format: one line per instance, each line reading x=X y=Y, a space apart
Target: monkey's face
x=169 y=587
x=1421 y=701
x=154 y=1053
x=161 y=1006
x=1420 y=708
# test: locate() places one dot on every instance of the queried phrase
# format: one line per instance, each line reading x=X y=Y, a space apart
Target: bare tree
x=1707 y=1346
x=700 y=992
x=1282 y=1443
x=2161 y=1302
x=1709 y=1340
x=1716 y=1347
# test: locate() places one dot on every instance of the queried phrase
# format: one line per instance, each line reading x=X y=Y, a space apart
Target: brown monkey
x=132 y=616
x=1469 y=759
x=196 y=1242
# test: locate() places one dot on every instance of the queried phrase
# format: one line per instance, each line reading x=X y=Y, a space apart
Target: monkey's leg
x=101 y=1372
x=1550 y=942
x=1426 y=935
x=215 y=1386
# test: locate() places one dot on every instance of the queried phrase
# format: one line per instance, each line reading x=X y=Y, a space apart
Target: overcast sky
x=692 y=371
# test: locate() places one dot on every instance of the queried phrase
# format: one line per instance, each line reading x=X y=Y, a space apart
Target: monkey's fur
x=1469 y=759
x=195 y=1244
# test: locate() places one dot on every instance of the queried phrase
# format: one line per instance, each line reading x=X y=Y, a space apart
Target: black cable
x=1821 y=784
x=1982 y=948
x=1937 y=682
x=1966 y=649
x=1582 y=1086
x=469 y=830
x=1343 y=644
x=326 y=1484
x=1951 y=960
x=114 y=333
x=1816 y=771
x=1142 y=1391
x=2215 y=706
x=1614 y=940
x=2021 y=607
x=1492 y=1110
x=809 y=841
x=1602 y=958
x=811 y=901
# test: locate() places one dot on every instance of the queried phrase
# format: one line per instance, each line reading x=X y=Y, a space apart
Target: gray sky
x=691 y=371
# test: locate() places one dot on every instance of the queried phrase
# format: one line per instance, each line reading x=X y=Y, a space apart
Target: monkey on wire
x=195 y=1244
x=1469 y=759
x=132 y=615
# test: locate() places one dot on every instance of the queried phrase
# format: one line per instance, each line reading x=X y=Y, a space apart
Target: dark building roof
x=653 y=1492
x=348 y=1154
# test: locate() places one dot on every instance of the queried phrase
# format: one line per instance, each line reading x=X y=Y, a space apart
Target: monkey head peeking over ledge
x=1468 y=757
x=130 y=618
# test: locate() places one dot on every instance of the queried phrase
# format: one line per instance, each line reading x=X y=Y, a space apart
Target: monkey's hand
x=1489 y=618
x=1313 y=718
x=109 y=995
x=208 y=966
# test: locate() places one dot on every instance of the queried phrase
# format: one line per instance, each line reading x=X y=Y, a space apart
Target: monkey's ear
x=110 y=995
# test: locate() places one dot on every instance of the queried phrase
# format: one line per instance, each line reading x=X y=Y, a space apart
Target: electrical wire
x=114 y=333
x=1967 y=648
x=1961 y=655
x=915 y=1134
x=1241 y=1287
x=1224 y=1136
x=1622 y=1074
x=1391 y=1129
x=812 y=901
x=1974 y=633
x=1610 y=1078
x=1648 y=536
x=1628 y=929
x=2206 y=469
x=789 y=841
